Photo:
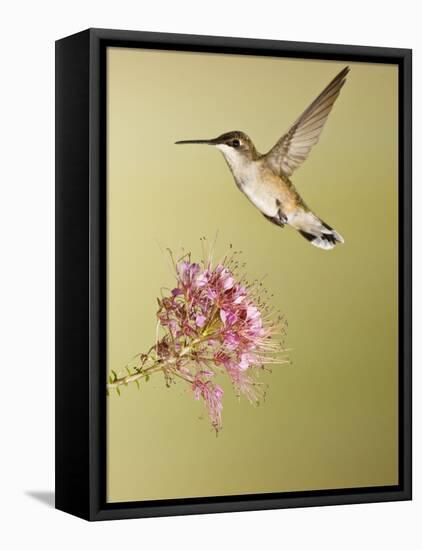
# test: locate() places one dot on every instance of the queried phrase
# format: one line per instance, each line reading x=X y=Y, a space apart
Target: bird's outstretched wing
x=294 y=146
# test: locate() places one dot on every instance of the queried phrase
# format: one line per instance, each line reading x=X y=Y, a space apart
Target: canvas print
x=252 y=297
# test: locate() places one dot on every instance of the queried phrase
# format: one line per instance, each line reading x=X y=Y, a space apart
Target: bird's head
x=236 y=146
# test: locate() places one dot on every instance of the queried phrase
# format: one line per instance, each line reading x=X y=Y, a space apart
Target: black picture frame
x=81 y=274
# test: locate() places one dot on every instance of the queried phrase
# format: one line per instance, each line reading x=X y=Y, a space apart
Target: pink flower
x=215 y=323
x=200 y=320
x=212 y=394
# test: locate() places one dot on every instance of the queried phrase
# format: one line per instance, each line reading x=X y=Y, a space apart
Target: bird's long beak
x=201 y=141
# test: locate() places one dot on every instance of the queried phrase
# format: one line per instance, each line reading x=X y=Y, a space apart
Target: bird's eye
x=235 y=143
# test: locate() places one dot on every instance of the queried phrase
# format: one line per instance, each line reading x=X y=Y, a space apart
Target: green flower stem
x=125 y=380
x=157 y=366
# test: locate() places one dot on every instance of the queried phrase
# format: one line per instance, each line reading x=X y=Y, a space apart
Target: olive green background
x=330 y=419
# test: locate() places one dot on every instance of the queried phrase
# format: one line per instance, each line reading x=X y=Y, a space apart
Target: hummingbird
x=264 y=178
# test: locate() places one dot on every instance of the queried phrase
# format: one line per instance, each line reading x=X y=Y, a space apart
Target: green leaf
x=128 y=371
x=147 y=378
x=118 y=390
x=114 y=374
x=137 y=384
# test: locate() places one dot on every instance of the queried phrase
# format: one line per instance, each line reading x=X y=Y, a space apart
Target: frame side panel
x=72 y=275
x=406 y=272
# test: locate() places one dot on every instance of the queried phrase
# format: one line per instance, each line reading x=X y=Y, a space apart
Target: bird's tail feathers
x=319 y=233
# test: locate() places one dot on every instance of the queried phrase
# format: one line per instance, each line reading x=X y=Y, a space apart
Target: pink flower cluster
x=216 y=323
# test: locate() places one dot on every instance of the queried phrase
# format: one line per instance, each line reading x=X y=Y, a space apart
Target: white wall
x=28 y=31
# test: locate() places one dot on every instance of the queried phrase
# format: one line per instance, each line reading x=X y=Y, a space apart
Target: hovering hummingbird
x=264 y=179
